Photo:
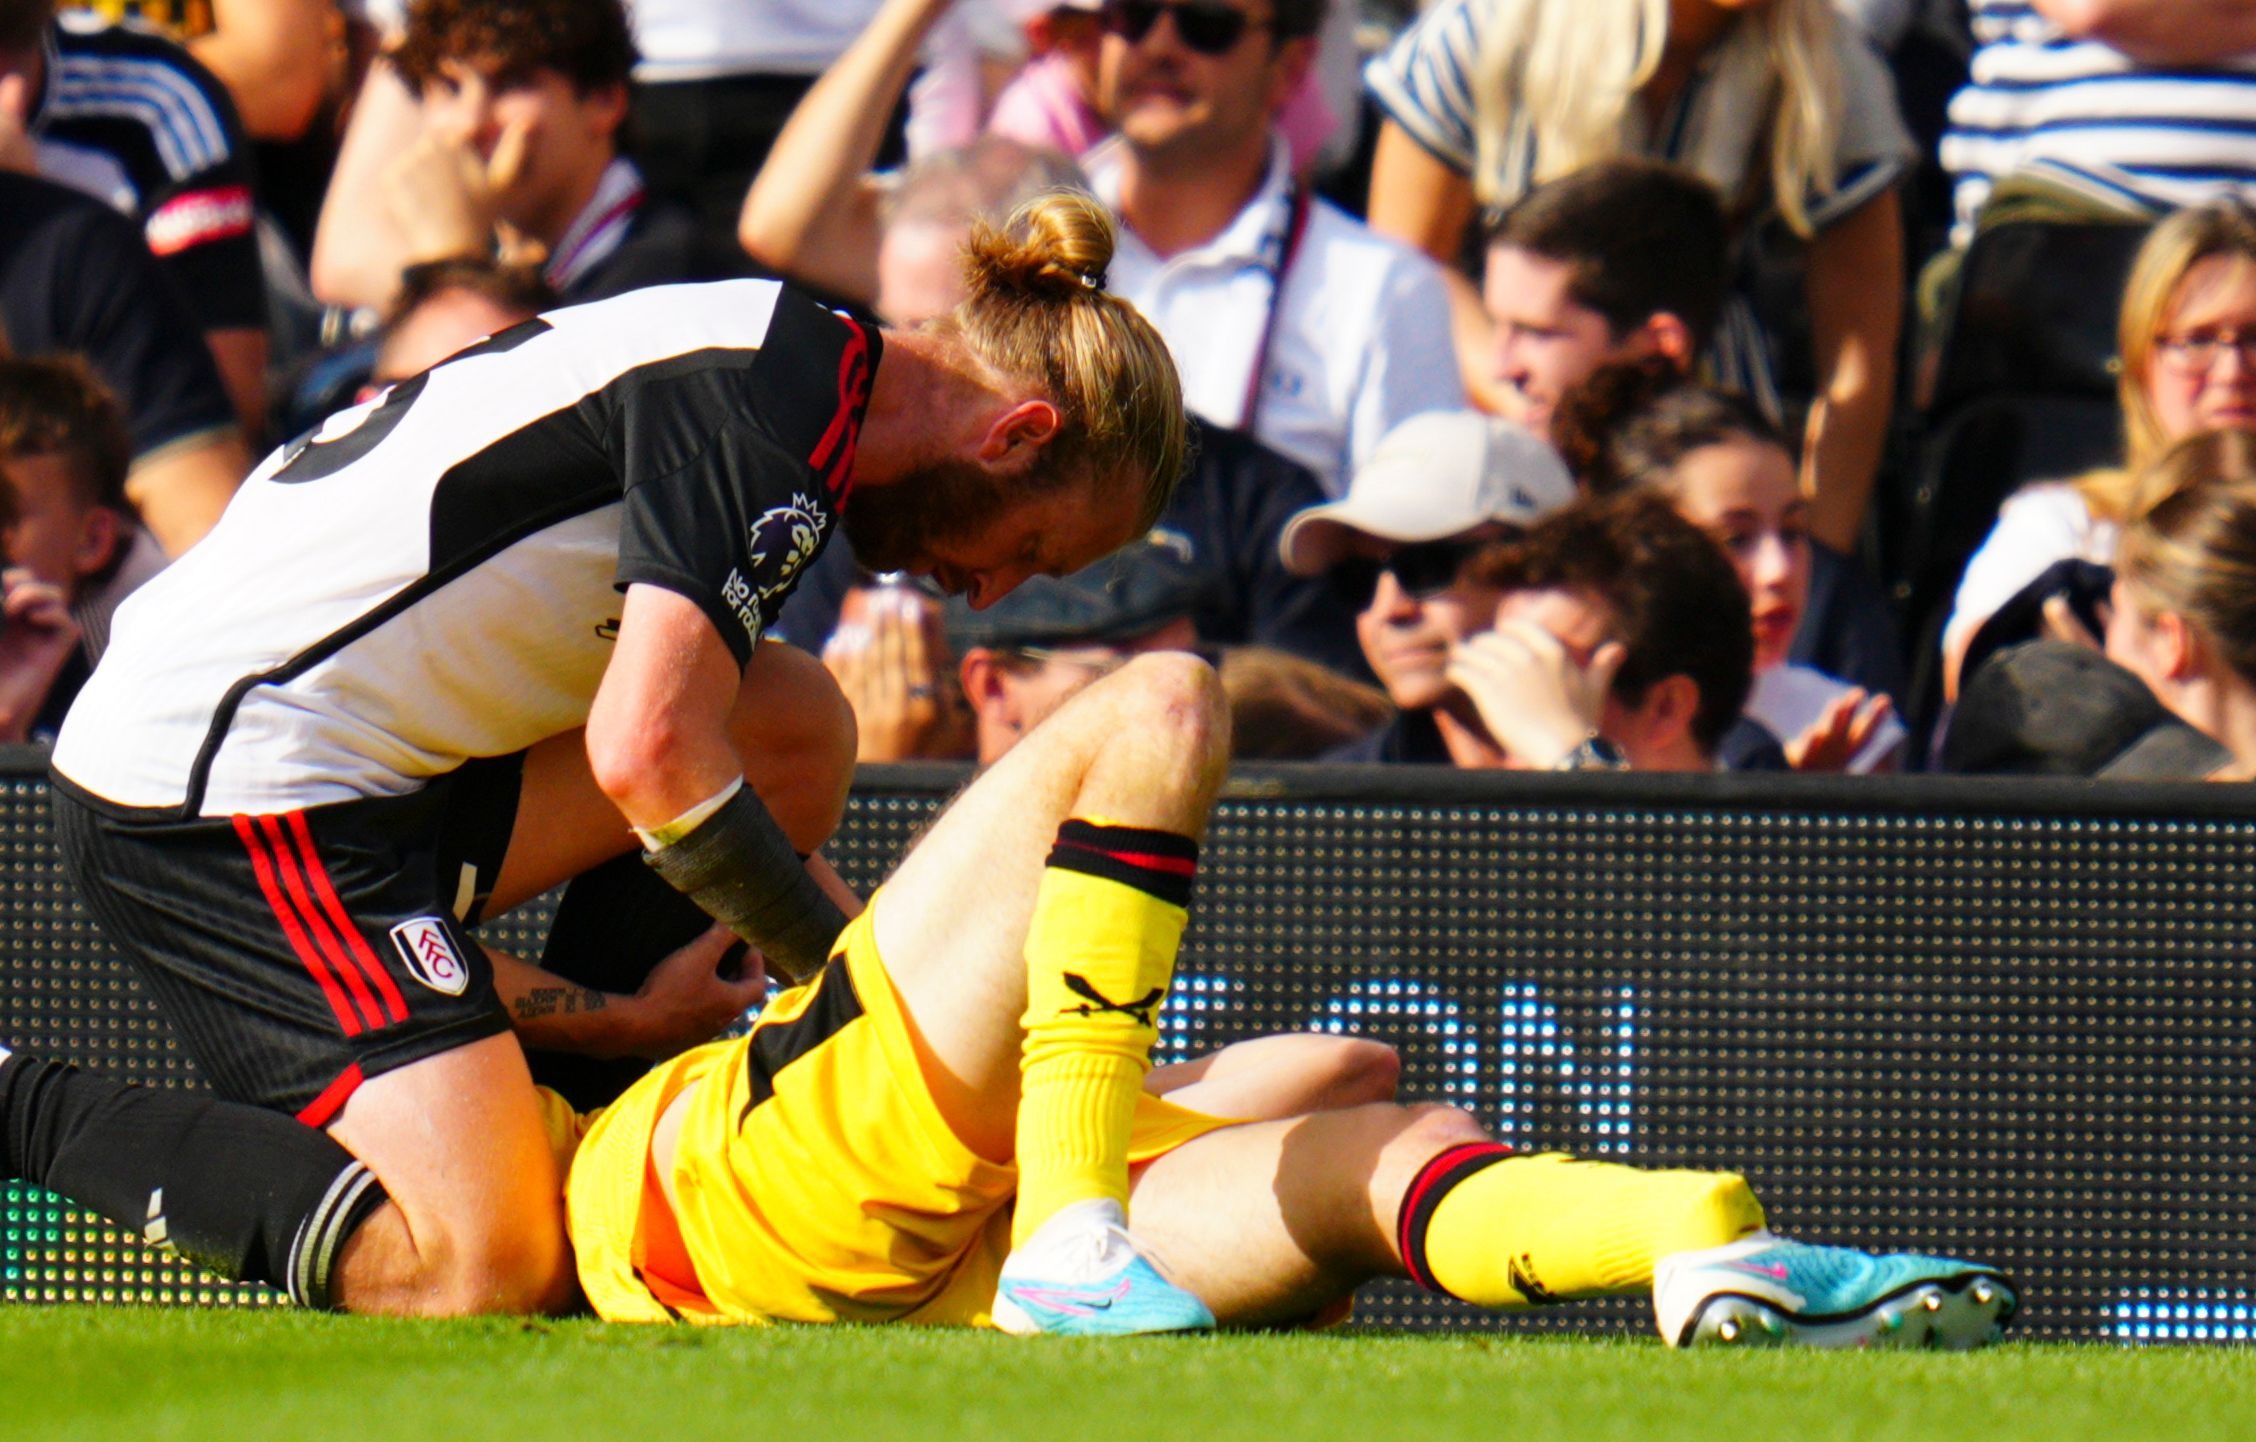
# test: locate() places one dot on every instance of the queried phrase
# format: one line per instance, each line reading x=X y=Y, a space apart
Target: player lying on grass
x=944 y=1125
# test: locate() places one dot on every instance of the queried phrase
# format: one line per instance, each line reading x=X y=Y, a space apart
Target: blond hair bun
x=1056 y=245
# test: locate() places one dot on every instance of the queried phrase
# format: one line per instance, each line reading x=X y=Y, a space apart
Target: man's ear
x=1032 y=423
x=1671 y=703
x=607 y=106
x=1665 y=334
x=1289 y=71
x=981 y=675
x=101 y=533
x=1656 y=726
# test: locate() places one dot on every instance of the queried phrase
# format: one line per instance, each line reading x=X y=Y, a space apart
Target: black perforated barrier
x=2007 y=1020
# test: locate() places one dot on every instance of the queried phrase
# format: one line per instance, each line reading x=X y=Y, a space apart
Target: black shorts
x=299 y=954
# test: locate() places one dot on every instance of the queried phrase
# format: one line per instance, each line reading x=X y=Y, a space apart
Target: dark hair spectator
x=498 y=130
x=445 y=305
x=58 y=407
x=68 y=532
x=587 y=43
x=1782 y=106
x=1726 y=468
x=1664 y=591
x=1638 y=238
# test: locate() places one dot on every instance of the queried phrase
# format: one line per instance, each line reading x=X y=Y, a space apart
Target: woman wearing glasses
x=2187 y=342
x=1784 y=108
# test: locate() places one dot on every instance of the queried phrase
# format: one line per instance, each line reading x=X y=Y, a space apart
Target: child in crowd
x=72 y=545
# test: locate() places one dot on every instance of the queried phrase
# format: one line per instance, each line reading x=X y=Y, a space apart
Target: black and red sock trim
x=1435 y=1180
x=1158 y=863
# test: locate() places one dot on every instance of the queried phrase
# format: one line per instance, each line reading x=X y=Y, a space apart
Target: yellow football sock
x=1504 y=1230
x=1099 y=954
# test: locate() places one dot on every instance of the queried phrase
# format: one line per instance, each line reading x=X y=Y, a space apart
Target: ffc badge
x=431 y=956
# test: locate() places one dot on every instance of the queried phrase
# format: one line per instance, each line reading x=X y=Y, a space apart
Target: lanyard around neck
x=1296 y=226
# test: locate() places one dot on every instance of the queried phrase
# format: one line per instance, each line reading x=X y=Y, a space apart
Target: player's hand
x=697 y=993
x=890 y=656
x=1840 y=734
x=1535 y=696
x=37 y=638
x=18 y=151
x=446 y=197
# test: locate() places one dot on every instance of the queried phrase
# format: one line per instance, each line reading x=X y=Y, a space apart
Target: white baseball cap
x=1435 y=475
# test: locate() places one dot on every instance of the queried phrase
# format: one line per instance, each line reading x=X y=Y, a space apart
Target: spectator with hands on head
x=1620 y=642
x=67 y=531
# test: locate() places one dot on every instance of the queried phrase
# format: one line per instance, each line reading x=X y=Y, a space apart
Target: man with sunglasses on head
x=1438 y=489
x=1289 y=320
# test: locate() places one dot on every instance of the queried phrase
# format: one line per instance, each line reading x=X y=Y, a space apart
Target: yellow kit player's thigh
x=815 y=1179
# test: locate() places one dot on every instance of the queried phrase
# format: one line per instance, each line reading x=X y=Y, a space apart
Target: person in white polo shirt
x=1288 y=319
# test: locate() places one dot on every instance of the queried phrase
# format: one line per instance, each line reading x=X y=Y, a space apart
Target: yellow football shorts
x=816 y=1179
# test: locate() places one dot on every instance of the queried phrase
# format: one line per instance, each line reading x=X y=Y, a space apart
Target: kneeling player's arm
x=551 y=1013
x=729 y=856
x=688 y=999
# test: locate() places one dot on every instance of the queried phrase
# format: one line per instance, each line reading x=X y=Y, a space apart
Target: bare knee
x=391 y=1267
x=1363 y=1071
x=1443 y=1124
x=1335 y=1073
x=1419 y=1133
x=1175 y=694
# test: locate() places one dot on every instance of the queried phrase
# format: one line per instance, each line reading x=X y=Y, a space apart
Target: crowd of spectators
x=1561 y=368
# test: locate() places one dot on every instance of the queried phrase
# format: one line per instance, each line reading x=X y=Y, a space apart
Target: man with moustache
x=1289 y=320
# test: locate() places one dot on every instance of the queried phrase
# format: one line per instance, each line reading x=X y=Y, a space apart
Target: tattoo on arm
x=543 y=1001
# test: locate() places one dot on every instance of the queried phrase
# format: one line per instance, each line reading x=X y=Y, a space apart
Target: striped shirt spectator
x=2130 y=135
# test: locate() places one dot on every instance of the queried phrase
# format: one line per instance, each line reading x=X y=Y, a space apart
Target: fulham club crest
x=429 y=952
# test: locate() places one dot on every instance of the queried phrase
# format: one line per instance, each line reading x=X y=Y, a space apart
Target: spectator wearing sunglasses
x=1437 y=490
x=1288 y=319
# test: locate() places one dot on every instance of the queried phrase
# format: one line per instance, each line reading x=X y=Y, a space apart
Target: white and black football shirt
x=434 y=575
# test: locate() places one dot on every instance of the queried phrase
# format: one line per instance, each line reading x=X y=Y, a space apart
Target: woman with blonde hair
x=2184 y=612
x=2186 y=342
x=1778 y=103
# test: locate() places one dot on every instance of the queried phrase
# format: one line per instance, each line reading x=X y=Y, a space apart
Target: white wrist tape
x=658 y=838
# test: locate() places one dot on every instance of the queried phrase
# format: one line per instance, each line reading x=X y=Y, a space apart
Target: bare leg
x=475 y=1222
x=1269 y=1222
x=476 y=1217
x=1291 y=1075
x=1146 y=746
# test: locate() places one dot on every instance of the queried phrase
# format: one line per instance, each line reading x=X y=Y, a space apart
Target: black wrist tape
x=740 y=867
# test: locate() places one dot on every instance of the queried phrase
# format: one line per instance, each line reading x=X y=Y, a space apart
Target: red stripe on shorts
x=394 y=1003
x=307 y=955
x=317 y=1112
x=294 y=884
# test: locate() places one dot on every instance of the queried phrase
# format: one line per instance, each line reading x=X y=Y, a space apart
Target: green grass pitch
x=149 y=1374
